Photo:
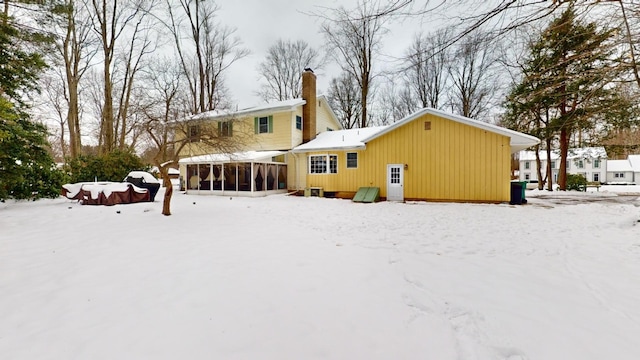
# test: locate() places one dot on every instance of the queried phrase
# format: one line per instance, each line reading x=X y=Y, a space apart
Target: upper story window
x=225 y=128
x=580 y=164
x=298 y=122
x=553 y=164
x=193 y=131
x=527 y=165
x=596 y=163
x=263 y=124
x=352 y=160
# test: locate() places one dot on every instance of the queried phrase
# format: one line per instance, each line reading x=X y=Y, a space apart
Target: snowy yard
x=308 y=278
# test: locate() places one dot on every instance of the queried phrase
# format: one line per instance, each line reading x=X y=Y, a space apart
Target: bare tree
x=206 y=49
x=355 y=36
x=283 y=66
x=75 y=47
x=128 y=64
x=425 y=68
x=471 y=72
x=164 y=105
x=396 y=102
x=344 y=98
x=54 y=99
x=116 y=23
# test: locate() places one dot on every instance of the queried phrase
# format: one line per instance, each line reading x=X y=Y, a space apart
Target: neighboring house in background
x=624 y=171
x=590 y=162
x=429 y=155
x=265 y=134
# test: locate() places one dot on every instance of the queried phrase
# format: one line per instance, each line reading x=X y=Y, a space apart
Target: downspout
x=295 y=168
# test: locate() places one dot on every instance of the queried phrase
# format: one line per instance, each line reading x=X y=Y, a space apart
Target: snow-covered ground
x=307 y=278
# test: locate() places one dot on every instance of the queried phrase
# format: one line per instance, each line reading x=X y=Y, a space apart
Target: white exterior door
x=395 y=182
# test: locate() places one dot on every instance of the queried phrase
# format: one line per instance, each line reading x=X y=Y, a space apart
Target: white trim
x=327 y=164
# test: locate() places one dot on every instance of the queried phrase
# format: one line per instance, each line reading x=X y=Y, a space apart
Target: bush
x=113 y=166
x=576 y=182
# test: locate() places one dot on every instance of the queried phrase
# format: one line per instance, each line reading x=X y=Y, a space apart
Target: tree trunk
x=564 y=151
x=166 y=201
x=549 y=168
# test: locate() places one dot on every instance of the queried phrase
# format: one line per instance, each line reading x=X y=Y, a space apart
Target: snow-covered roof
x=349 y=139
x=526 y=155
x=346 y=140
x=635 y=162
x=277 y=106
x=618 y=166
x=245 y=156
x=573 y=153
x=587 y=152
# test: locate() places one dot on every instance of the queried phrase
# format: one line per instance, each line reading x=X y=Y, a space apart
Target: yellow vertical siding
x=452 y=161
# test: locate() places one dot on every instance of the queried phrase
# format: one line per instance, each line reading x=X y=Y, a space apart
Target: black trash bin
x=516 y=193
x=141 y=183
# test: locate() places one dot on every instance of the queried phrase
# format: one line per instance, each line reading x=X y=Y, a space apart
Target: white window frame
x=527 y=165
x=596 y=163
x=319 y=164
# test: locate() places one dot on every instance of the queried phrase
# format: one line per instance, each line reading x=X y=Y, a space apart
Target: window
x=323 y=164
x=194 y=132
x=298 y=122
x=352 y=160
x=596 y=164
x=580 y=164
x=553 y=164
x=527 y=165
x=619 y=175
x=527 y=176
x=596 y=177
x=333 y=164
x=225 y=128
x=568 y=165
x=263 y=124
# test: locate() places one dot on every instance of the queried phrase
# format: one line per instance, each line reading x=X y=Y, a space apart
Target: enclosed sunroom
x=249 y=173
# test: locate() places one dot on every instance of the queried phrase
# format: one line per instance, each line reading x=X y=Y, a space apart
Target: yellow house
x=429 y=155
x=251 y=155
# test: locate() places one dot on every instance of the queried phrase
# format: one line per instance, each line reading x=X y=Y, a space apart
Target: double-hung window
x=352 y=160
x=225 y=128
x=323 y=164
x=263 y=124
x=298 y=122
x=596 y=163
x=194 y=132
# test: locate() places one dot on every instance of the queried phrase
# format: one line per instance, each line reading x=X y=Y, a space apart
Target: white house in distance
x=590 y=162
x=624 y=171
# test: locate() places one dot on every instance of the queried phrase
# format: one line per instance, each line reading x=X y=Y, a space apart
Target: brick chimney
x=309 y=109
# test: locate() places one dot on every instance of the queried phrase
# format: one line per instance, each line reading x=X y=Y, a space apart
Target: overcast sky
x=260 y=23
